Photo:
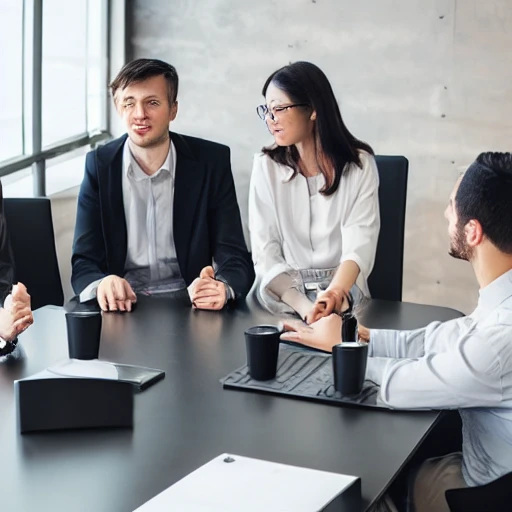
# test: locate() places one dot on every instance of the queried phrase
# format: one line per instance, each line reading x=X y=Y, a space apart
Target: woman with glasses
x=313 y=200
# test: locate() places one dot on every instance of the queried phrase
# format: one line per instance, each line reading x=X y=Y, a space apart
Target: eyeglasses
x=263 y=111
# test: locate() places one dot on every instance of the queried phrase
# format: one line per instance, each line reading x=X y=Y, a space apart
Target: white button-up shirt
x=151 y=263
x=148 y=207
x=462 y=364
x=293 y=229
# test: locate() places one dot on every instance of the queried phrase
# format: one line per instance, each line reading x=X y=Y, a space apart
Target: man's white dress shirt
x=463 y=364
x=151 y=261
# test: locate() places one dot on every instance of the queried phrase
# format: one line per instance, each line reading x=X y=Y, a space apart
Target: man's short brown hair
x=141 y=69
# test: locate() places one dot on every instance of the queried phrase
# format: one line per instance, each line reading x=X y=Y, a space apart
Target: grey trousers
x=434 y=477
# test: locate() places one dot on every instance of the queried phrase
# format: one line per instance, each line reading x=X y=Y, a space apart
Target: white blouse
x=292 y=230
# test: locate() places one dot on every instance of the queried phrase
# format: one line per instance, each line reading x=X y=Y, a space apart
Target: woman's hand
x=323 y=334
x=327 y=302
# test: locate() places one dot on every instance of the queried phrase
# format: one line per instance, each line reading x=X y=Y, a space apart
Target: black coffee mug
x=84 y=333
x=349 y=321
x=349 y=367
x=262 y=344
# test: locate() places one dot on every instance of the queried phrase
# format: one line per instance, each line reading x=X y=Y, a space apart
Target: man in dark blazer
x=15 y=308
x=157 y=209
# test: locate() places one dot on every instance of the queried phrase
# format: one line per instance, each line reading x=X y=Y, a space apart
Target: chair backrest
x=385 y=281
x=30 y=227
x=495 y=496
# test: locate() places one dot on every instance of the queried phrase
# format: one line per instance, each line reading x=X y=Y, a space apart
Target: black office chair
x=30 y=226
x=385 y=281
x=495 y=496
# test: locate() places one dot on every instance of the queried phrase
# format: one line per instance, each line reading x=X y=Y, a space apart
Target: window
x=18 y=184
x=54 y=82
x=72 y=72
x=64 y=70
x=67 y=171
x=62 y=173
x=97 y=95
x=11 y=84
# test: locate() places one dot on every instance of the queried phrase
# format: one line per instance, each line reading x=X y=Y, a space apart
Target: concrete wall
x=429 y=80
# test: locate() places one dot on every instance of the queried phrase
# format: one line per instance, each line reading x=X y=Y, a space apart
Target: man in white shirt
x=463 y=364
x=157 y=211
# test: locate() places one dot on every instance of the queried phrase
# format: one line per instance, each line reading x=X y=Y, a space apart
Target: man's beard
x=458 y=246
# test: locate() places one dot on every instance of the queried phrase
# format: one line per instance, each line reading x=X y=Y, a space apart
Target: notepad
x=232 y=483
x=139 y=376
x=92 y=369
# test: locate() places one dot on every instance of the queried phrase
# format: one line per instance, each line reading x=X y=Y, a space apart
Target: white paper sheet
x=250 y=485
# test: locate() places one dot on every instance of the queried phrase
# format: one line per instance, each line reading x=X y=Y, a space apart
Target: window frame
x=33 y=153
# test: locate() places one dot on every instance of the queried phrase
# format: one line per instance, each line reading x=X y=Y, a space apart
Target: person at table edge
x=15 y=310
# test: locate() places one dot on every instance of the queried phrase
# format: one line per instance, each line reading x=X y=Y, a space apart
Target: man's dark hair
x=485 y=195
x=306 y=83
x=142 y=69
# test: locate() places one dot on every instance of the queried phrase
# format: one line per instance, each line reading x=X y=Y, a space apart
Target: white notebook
x=250 y=485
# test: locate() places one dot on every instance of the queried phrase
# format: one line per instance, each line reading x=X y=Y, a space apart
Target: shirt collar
x=133 y=170
x=496 y=292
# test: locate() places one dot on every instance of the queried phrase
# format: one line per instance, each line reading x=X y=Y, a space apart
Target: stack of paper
x=231 y=483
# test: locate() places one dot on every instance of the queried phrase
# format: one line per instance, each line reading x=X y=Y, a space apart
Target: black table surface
x=187 y=419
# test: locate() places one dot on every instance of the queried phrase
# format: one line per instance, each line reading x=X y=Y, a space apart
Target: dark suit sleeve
x=6 y=259
x=229 y=250
x=89 y=259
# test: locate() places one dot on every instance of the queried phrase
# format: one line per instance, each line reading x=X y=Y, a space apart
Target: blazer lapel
x=188 y=184
x=110 y=175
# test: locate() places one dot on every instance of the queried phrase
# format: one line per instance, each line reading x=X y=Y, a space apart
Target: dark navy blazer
x=206 y=222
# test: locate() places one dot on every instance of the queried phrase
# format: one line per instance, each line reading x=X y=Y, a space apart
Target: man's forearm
x=238 y=273
x=394 y=344
x=83 y=273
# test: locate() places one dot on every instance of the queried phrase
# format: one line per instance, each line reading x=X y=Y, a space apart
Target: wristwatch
x=6 y=347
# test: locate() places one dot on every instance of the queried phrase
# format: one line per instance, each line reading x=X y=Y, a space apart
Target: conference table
x=187 y=419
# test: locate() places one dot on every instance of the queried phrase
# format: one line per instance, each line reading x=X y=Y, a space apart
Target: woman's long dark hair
x=304 y=82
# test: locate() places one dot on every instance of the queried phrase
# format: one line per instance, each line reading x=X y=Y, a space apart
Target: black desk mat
x=303 y=374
